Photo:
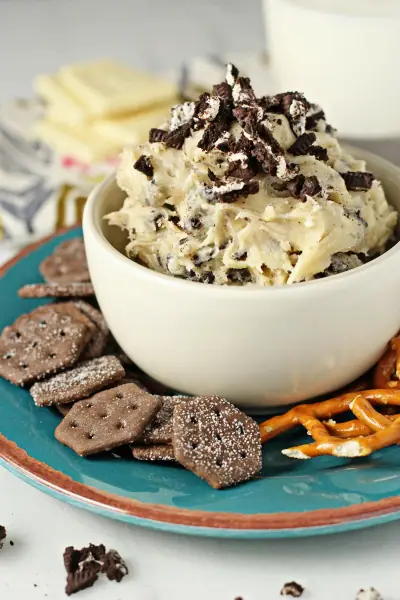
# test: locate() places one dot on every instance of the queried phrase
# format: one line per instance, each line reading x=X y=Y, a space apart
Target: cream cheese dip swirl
x=238 y=190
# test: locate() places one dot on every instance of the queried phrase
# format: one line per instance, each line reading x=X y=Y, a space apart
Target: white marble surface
x=40 y=35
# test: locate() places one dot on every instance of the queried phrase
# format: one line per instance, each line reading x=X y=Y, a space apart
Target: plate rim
x=56 y=482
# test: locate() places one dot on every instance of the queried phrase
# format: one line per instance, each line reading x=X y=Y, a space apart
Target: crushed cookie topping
x=255 y=150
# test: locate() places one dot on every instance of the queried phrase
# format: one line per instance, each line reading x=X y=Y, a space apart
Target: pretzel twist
x=389 y=367
x=372 y=431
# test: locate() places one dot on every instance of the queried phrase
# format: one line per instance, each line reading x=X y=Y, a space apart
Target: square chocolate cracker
x=156 y=453
x=97 y=344
x=160 y=429
x=47 y=340
x=56 y=290
x=107 y=420
x=216 y=441
x=83 y=381
x=67 y=264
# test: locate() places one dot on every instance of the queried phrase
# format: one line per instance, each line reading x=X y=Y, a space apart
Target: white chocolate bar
x=107 y=88
x=132 y=129
x=61 y=101
x=81 y=142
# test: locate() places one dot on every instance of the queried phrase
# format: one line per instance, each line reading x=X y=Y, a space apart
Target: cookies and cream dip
x=236 y=189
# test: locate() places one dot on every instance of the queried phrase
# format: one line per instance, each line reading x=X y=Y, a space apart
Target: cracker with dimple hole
x=156 y=453
x=216 y=441
x=160 y=429
x=56 y=290
x=97 y=344
x=83 y=381
x=109 y=419
x=67 y=264
x=47 y=340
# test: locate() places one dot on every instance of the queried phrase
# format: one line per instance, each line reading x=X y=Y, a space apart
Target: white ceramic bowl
x=257 y=347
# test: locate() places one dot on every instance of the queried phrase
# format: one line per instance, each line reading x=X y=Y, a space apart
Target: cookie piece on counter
x=66 y=264
x=56 y=290
x=83 y=381
x=47 y=340
x=216 y=441
x=109 y=419
x=114 y=566
x=3 y=535
x=155 y=453
x=292 y=588
x=83 y=566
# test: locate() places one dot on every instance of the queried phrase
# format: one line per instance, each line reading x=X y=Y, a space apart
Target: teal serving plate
x=288 y=499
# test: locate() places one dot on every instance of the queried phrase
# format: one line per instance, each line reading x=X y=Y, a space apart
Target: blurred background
x=42 y=35
x=341 y=54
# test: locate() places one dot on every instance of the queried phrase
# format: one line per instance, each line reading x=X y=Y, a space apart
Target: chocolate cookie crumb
x=358 y=180
x=176 y=138
x=368 y=594
x=114 y=566
x=302 y=144
x=83 y=566
x=143 y=164
x=3 y=535
x=80 y=580
x=292 y=589
x=157 y=135
x=302 y=186
x=319 y=152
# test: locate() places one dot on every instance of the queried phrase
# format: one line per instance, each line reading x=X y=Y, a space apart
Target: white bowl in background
x=258 y=347
x=342 y=54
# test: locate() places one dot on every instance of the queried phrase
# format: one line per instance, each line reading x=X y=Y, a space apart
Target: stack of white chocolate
x=94 y=109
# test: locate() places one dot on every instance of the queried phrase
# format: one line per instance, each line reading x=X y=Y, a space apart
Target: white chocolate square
x=108 y=88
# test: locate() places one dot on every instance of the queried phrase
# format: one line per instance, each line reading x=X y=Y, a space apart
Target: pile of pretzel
x=371 y=429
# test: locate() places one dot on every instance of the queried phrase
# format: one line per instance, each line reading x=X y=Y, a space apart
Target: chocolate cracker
x=56 y=290
x=156 y=453
x=107 y=420
x=160 y=429
x=97 y=344
x=43 y=342
x=81 y=382
x=216 y=441
x=67 y=264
